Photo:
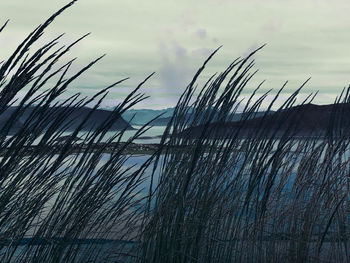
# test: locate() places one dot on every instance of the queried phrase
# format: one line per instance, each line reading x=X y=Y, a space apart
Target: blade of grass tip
x=2 y=28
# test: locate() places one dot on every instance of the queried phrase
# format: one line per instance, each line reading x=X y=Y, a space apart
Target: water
x=155 y=132
x=137 y=160
x=153 y=135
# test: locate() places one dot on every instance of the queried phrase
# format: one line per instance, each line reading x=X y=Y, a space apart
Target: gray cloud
x=271 y=26
x=215 y=40
x=202 y=52
x=201 y=33
x=186 y=18
x=174 y=72
x=179 y=51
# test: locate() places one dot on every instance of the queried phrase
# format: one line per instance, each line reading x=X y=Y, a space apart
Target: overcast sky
x=305 y=38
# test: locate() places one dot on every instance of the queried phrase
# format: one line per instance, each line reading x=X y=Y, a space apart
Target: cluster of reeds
x=267 y=196
x=249 y=195
x=55 y=206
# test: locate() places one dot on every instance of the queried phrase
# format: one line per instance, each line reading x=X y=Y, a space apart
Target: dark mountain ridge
x=303 y=120
x=143 y=116
x=72 y=121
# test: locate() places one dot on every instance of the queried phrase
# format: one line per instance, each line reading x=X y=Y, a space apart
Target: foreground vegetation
x=261 y=199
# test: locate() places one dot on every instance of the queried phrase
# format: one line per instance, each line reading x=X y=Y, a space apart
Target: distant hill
x=95 y=119
x=161 y=121
x=143 y=116
x=307 y=120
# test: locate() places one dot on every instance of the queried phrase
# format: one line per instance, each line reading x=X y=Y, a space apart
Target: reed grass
x=49 y=195
x=268 y=196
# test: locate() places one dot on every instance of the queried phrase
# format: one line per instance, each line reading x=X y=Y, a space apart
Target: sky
x=305 y=38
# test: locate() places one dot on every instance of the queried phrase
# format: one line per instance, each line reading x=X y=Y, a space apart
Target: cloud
x=174 y=72
x=215 y=40
x=158 y=102
x=179 y=50
x=271 y=26
x=186 y=18
x=202 y=52
x=201 y=33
